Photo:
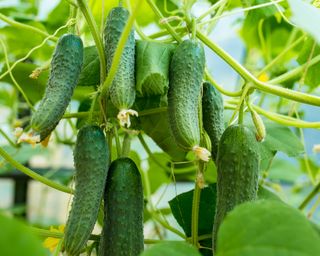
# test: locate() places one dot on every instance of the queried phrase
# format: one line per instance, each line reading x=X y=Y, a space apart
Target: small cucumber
x=238 y=164
x=184 y=96
x=152 y=67
x=122 y=90
x=91 y=160
x=65 y=70
x=212 y=116
x=122 y=233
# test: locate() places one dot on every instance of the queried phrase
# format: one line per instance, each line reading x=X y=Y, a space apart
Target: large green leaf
x=284 y=170
x=267 y=228
x=306 y=17
x=16 y=239
x=171 y=248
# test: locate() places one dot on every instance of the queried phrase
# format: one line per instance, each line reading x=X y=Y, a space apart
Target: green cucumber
x=212 y=115
x=152 y=67
x=122 y=90
x=122 y=233
x=65 y=70
x=184 y=95
x=91 y=160
x=238 y=164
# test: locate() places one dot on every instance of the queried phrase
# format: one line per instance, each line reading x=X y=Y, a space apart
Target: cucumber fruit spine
x=186 y=72
x=122 y=90
x=91 y=160
x=64 y=74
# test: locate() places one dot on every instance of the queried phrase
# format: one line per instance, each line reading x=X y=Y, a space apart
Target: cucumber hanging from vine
x=66 y=66
x=184 y=96
x=91 y=160
x=212 y=115
x=238 y=164
x=122 y=90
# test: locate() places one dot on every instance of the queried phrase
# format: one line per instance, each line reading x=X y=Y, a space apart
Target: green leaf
x=181 y=207
x=16 y=239
x=279 y=138
x=283 y=170
x=58 y=16
x=306 y=17
x=152 y=67
x=264 y=193
x=90 y=72
x=312 y=78
x=267 y=227
x=171 y=248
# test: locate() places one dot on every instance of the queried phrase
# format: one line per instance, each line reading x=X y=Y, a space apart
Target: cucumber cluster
x=150 y=75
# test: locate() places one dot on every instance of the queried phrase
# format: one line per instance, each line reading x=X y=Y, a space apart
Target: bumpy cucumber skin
x=122 y=233
x=212 y=116
x=186 y=72
x=91 y=159
x=238 y=164
x=65 y=70
x=122 y=90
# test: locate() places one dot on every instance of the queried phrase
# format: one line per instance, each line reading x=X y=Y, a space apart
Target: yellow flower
x=52 y=242
x=263 y=77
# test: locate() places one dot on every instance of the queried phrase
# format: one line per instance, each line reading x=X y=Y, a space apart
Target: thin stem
x=116 y=136
x=152 y=111
x=126 y=145
x=160 y=16
x=147 y=149
x=311 y=195
x=118 y=53
x=195 y=211
x=281 y=55
x=96 y=37
x=240 y=119
x=12 y=77
x=33 y=174
x=210 y=10
x=26 y=27
x=266 y=87
x=219 y=88
x=11 y=142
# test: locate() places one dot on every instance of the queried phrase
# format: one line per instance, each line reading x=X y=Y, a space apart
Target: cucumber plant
x=157 y=59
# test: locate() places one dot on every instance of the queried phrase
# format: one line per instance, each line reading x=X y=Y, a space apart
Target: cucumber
x=91 y=160
x=65 y=70
x=122 y=90
x=152 y=67
x=212 y=116
x=238 y=164
x=184 y=95
x=122 y=233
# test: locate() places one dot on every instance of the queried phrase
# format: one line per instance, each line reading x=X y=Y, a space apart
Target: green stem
x=210 y=10
x=116 y=136
x=152 y=111
x=195 y=211
x=73 y=15
x=240 y=119
x=147 y=149
x=96 y=37
x=311 y=195
x=32 y=174
x=266 y=87
x=281 y=55
x=160 y=16
x=295 y=72
x=117 y=55
x=126 y=145
x=165 y=32
x=219 y=88
x=11 y=142
x=26 y=27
